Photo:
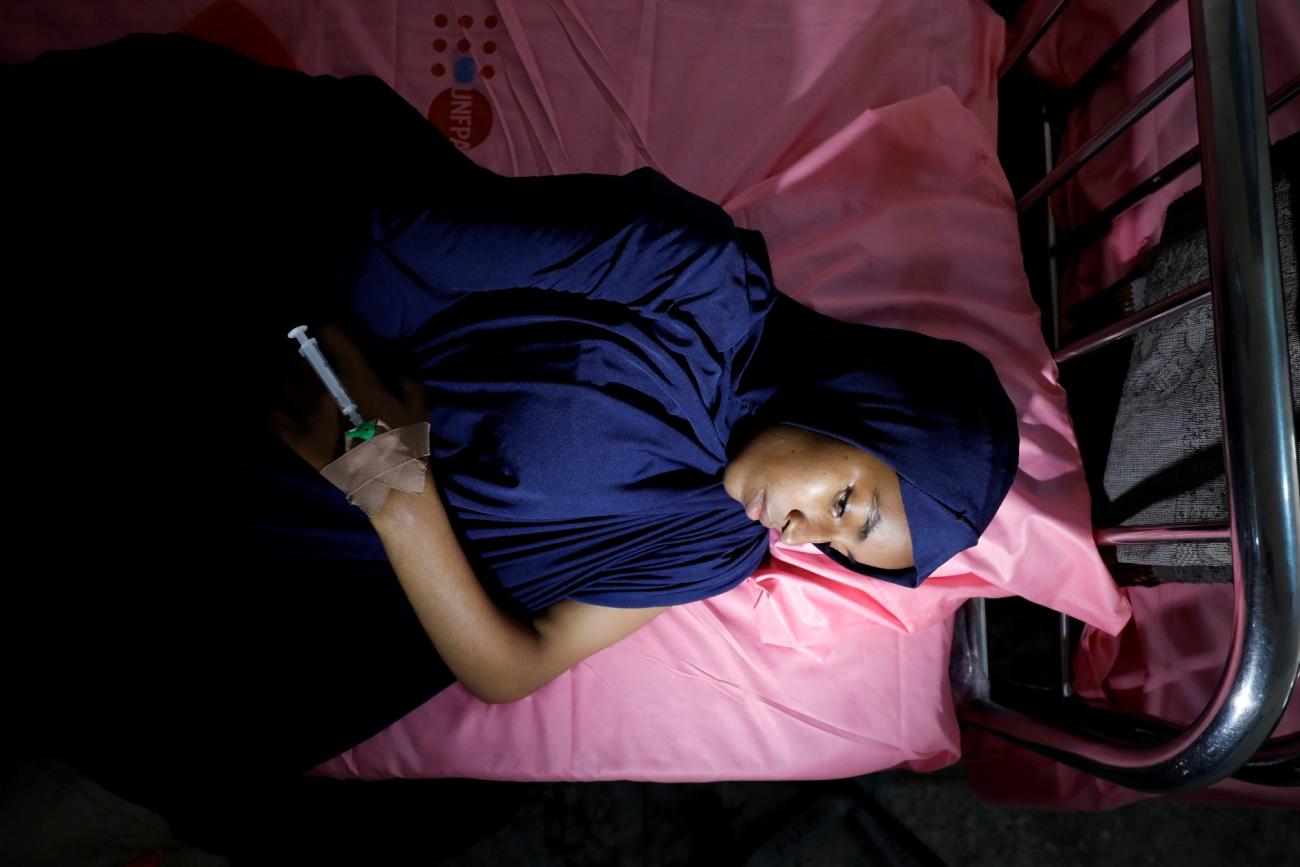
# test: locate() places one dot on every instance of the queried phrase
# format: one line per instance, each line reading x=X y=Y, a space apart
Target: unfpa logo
x=461 y=111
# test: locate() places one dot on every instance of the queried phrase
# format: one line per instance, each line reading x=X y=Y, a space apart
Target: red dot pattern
x=464 y=45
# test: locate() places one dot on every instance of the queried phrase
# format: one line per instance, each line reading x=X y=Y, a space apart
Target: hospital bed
x=862 y=139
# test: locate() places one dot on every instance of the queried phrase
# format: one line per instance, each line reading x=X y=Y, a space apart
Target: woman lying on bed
x=620 y=405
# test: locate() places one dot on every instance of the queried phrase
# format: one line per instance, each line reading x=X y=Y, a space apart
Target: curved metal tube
x=1259 y=442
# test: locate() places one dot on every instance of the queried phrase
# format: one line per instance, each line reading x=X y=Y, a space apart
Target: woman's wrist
x=392 y=462
x=401 y=509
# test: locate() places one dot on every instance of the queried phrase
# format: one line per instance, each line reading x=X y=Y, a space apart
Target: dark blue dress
x=582 y=341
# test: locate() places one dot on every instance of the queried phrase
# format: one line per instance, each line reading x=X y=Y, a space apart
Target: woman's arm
x=495 y=656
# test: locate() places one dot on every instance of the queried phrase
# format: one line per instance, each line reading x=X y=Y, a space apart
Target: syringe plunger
x=308 y=349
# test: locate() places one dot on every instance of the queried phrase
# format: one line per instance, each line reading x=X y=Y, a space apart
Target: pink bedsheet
x=858 y=136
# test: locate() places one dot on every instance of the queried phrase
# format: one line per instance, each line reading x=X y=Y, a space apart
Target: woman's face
x=816 y=489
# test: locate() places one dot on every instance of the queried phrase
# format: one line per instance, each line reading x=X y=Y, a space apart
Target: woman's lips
x=754 y=508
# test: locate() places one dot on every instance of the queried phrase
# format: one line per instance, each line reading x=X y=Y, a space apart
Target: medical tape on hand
x=393 y=460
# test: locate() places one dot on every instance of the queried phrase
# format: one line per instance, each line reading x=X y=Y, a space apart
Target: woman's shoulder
x=663 y=198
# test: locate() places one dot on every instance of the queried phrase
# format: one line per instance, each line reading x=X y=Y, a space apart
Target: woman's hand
x=310 y=422
x=495 y=656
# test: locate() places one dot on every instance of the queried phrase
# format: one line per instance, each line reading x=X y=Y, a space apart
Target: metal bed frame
x=1231 y=735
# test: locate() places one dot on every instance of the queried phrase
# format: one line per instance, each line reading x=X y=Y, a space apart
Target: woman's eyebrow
x=873 y=516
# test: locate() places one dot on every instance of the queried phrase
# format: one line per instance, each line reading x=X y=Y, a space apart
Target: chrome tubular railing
x=1169 y=81
x=1095 y=225
x=1260 y=456
x=1086 y=83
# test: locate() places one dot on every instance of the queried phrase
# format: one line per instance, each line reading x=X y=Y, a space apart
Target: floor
x=51 y=815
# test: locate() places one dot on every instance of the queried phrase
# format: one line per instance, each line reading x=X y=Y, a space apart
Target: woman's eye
x=842 y=504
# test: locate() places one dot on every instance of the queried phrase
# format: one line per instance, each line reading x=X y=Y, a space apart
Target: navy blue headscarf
x=591 y=343
x=933 y=410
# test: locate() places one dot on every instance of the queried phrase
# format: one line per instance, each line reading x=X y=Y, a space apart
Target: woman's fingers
x=310 y=423
x=300 y=390
x=283 y=425
x=316 y=438
x=346 y=358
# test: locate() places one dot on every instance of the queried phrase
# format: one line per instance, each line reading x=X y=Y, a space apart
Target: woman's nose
x=801 y=531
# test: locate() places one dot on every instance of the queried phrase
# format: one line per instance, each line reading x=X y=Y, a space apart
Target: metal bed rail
x=1095 y=225
x=1088 y=82
x=1230 y=736
x=1169 y=81
x=1036 y=21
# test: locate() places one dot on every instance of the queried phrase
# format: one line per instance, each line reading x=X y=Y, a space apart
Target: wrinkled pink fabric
x=699 y=696
x=1083 y=32
x=1166 y=664
x=858 y=136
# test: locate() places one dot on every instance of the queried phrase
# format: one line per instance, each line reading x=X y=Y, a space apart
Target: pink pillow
x=924 y=237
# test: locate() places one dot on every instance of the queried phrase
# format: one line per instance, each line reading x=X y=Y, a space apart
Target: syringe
x=308 y=349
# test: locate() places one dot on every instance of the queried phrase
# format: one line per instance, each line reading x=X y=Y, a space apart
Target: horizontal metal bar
x=1284 y=94
x=1278 y=749
x=1155 y=533
x=1066 y=670
x=1169 y=81
x=1283 y=774
x=1097 y=223
x=1277 y=764
x=1031 y=30
x=1180 y=301
x=1085 y=84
